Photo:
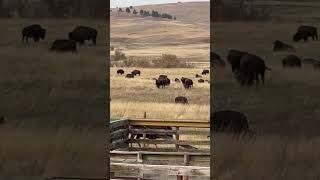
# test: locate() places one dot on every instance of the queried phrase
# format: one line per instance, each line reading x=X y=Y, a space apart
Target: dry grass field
x=188 y=37
x=285 y=113
x=133 y=97
x=53 y=104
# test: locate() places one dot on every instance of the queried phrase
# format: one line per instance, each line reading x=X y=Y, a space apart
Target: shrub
x=118 y=55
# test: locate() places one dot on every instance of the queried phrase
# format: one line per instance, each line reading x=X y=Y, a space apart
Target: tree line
x=146 y=13
x=53 y=8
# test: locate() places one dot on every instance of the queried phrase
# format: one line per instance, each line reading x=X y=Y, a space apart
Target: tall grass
x=53 y=103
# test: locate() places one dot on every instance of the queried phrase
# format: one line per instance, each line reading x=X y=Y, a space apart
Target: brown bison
x=280 y=46
x=251 y=66
x=304 y=32
x=291 y=61
x=34 y=31
x=205 y=72
x=229 y=121
x=120 y=71
x=82 y=33
x=188 y=83
x=162 y=82
x=200 y=81
x=136 y=72
x=64 y=45
x=181 y=100
x=129 y=76
x=198 y=76
x=177 y=80
x=234 y=57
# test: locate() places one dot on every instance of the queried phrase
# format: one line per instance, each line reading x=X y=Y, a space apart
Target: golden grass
x=133 y=97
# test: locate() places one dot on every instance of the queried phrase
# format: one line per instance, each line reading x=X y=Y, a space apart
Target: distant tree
x=135 y=12
x=131 y=7
x=141 y=12
x=128 y=10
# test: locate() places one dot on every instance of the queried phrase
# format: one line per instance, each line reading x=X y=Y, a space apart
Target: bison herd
x=78 y=35
x=249 y=69
x=163 y=81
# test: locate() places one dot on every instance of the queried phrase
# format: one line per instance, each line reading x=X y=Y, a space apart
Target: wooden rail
x=181 y=161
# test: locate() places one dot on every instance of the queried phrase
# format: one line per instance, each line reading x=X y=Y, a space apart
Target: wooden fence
x=185 y=159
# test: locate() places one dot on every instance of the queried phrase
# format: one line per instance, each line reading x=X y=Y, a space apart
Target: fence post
x=177 y=137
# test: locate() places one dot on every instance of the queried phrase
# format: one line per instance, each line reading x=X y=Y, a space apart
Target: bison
x=82 y=33
x=280 y=46
x=183 y=79
x=304 y=32
x=230 y=121
x=64 y=45
x=251 y=66
x=34 y=31
x=198 y=76
x=200 y=81
x=129 y=76
x=120 y=71
x=234 y=57
x=177 y=80
x=136 y=72
x=162 y=82
x=181 y=100
x=205 y=72
x=291 y=61
x=188 y=83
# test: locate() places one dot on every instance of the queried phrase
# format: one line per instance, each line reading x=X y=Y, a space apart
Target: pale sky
x=126 y=3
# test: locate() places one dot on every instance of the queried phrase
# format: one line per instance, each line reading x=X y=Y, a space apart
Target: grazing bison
x=280 y=46
x=304 y=32
x=200 y=81
x=188 y=83
x=234 y=57
x=64 y=45
x=291 y=61
x=251 y=66
x=136 y=72
x=34 y=31
x=129 y=76
x=162 y=82
x=82 y=33
x=120 y=71
x=205 y=72
x=181 y=100
x=216 y=60
x=309 y=60
x=230 y=122
x=177 y=80
x=198 y=76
